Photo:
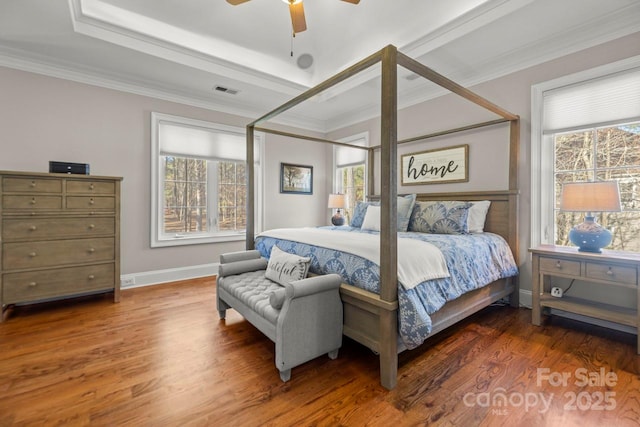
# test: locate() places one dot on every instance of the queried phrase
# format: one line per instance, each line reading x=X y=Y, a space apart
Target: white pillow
x=284 y=267
x=372 y=218
x=477 y=216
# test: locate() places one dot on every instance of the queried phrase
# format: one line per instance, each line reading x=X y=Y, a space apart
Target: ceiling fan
x=297 y=12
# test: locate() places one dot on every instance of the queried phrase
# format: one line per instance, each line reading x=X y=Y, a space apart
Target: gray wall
x=45 y=118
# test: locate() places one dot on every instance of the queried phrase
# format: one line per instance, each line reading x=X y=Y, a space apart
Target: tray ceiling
x=243 y=59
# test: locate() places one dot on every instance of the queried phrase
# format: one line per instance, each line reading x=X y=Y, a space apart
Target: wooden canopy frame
x=384 y=306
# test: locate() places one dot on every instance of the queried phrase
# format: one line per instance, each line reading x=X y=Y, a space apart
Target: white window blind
x=347 y=156
x=201 y=143
x=612 y=98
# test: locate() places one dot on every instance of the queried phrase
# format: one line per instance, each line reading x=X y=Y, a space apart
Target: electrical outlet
x=556 y=292
x=127 y=281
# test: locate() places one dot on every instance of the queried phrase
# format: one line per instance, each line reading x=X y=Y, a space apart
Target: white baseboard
x=526 y=300
x=149 y=278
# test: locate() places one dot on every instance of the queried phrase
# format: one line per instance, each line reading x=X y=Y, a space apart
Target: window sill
x=182 y=241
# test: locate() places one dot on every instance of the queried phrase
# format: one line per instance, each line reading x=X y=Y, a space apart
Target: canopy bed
x=372 y=317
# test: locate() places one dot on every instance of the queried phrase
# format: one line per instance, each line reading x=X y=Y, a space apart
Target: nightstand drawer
x=559 y=266
x=31 y=185
x=30 y=286
x=91 y=187
x=36 y=202
x=610 y=272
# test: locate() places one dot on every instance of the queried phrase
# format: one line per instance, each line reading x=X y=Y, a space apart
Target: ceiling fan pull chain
x=293 y=35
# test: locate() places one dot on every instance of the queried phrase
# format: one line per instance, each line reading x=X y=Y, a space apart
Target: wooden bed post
x=251 y=172
x=388 y=217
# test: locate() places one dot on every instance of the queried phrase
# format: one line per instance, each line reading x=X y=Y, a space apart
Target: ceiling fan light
x=292 y=1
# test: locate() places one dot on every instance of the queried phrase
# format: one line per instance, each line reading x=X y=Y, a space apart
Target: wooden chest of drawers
x=59 y=235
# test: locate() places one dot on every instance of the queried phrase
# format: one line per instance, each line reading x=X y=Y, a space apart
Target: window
x=587 y=127
x=351 y=171
x=601 y=154
x=199 y=182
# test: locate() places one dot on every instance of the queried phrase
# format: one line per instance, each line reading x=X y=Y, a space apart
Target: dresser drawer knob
x=33 y=184
x=33 y=284
x=92 y=226
x=558 y=265
x=33 y=228
x=91 y=202
x=33 y=201
x=91 y=277
x=91 y=186
x=32 y=254
x=610 y=272
x=91 y=250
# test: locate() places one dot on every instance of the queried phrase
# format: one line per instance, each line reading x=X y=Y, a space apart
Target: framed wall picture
x=296 y=179
x=442 y=165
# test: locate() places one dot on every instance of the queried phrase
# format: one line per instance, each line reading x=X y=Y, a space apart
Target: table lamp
x=589 y=197
x=337 y=201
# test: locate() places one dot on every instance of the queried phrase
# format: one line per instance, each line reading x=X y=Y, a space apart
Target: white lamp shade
x=597 y=196
x=337 y=201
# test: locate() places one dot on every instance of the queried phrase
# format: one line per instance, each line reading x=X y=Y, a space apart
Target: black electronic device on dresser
x=67 y=167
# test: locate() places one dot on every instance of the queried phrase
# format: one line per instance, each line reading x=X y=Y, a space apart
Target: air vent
x=226 y=90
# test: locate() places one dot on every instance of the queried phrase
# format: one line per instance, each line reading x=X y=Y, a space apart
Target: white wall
x=296 y=210
x=45 y=118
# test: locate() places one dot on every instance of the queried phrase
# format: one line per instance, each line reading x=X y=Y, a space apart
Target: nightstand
x=620 y=269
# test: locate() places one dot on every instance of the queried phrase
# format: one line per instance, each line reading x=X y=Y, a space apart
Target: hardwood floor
x=161 y=357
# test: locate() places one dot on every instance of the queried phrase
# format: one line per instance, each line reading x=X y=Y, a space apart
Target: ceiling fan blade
x=348 y=1
x=236 y=2
x=297 y=17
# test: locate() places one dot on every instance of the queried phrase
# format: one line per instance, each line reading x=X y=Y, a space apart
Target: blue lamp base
x=590 y=236
x=337 y=219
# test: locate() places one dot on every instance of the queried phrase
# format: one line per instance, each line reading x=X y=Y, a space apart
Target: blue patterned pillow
x=359 y=212
x=440 y=217
x=405 y=208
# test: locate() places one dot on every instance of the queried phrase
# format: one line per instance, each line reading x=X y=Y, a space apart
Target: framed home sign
x=296 y=179
x=442 y=165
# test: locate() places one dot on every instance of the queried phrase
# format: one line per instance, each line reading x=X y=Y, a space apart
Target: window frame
x=160 y=239
x=353 y=139
x=542 y=148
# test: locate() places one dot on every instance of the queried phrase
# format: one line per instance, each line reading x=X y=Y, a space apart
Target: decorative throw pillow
x=477 y=216
x=372 y=219
x=440 y=217
x=276 y=298
x=284 y=267
x=405 y=207
x=359 y=212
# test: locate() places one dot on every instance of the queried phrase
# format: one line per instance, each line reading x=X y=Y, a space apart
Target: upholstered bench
x=302 y=317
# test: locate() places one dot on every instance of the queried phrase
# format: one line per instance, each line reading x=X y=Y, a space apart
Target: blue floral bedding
x=474 y=260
